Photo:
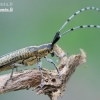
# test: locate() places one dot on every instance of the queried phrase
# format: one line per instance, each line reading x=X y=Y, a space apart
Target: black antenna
x=83 y=26
x=76 y=13
x=57 y=36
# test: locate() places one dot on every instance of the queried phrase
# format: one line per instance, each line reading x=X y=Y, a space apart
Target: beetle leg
x=60 y=56
x=16 y=69
x=15 y=65
x=51 y=61
x=39 y=63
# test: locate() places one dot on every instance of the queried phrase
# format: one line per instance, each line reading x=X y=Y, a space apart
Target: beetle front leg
x=51 y=61
x=60 y=56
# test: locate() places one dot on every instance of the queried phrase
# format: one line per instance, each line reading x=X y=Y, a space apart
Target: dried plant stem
x=53 y=86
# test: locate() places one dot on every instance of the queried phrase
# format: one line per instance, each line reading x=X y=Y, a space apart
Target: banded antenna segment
x=76 y=13
x=83 y=26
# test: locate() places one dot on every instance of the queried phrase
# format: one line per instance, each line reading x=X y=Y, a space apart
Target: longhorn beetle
x=33 y=54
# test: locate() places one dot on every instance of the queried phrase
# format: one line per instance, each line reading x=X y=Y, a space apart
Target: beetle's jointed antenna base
x=56 y=38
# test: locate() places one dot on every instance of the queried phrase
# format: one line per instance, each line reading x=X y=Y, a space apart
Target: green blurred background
x=35 y=22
